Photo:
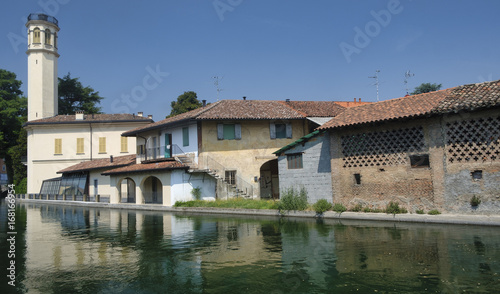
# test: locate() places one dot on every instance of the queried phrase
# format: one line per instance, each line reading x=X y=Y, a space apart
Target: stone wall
x=315 y=176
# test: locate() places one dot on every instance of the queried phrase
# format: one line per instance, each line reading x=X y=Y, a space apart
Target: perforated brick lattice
x=474 y=140
x=382 y=148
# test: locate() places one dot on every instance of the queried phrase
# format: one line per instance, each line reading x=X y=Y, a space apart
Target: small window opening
x=477 y=175
x=419 y=160
x=230 y=177
x=357 y=179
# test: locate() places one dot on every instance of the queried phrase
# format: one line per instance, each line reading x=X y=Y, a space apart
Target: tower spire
x=42 y=65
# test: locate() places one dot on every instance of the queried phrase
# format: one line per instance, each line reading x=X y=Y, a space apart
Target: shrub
x=393 y=208
x=420 y=211
x=321 y=206
x=339 y=207
x=196 y=193
x=434 y=212
x=293 y=200
x=475 y=201
x=357 y=208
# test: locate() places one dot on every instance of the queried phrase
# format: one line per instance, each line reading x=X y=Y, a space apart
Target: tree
x=425 y=88
x=13 y=112
x=73 y=97
x=185 y=102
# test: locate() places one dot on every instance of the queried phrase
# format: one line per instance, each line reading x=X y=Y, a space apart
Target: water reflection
x=79 y=250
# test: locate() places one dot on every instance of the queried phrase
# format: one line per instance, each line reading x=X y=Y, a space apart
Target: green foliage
x=185 y=102
x=419 y=211
x=434 y=212
x=357 y=208
x=475 y=201
x=376 y=210
x=13 y=112
x=393 y=208
x=321 y=206
x=425 y=88
x=231 y=203
x=293 y=200
x=22 y=186
x=339 y=207
x=73 y=96
x=196 y=193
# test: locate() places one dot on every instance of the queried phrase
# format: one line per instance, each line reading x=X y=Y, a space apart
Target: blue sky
x=141 y=55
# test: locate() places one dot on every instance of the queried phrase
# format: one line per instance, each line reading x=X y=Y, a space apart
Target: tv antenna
x=408 y=75
x=216 y=83
x=376 y=80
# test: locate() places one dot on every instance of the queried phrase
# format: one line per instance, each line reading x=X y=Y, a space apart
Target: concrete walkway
x=459 y=219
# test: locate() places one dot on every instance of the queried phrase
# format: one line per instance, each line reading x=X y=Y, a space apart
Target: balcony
x=45 y=17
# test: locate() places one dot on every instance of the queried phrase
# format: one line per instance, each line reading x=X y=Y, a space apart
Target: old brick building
x=430 y=151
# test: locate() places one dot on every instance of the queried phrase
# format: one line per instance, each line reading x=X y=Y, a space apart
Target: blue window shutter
x=289 y=130
x=237 y=131
x=220 y=132
x=272 y=130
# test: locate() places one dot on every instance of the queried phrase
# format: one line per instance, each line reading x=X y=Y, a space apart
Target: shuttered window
x=102 y=144
x=58 y=146
x=124 y=144
x=185 y=136
x=294 y=161
x=80 y=146
x=280 y=130
x=229 y=131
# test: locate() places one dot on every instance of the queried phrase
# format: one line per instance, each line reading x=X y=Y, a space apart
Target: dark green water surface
x=63 y=249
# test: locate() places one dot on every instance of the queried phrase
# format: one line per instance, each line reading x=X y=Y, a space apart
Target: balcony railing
x=41 y=16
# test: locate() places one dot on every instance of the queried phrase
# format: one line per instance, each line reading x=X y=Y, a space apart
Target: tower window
x=55 y=40
x=47 y=37
x=36 y=35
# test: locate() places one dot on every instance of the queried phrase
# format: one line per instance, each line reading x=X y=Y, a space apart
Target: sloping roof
x=155 y=166
x=461 y=98
x=250 y=110
x=103 y=163
x=90 y=118
x=299 y=141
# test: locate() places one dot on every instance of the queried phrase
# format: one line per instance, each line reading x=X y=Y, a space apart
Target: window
x=79 y=146
x=102 y=144
x=185 y=136
x=58 y=146
x=421 y=160
x=55 y=40
x=228 y=131
x=36 y=35
x=230 y=177
x=477 y=175
x=280 y=130
x=357 y=179
x=124 y=144
x=47 y=37
x=3 y=167
x=294 y=161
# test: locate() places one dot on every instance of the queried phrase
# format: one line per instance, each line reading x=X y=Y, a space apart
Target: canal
x=65 y=249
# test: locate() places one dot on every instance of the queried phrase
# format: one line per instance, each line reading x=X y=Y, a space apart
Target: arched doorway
x=269 y=180
x=152 y=190
x=127 y=190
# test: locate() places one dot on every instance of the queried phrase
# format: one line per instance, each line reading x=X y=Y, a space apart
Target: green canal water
x=80 y=250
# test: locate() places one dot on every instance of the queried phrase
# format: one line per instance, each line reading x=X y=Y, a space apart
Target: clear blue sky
x=261 y=49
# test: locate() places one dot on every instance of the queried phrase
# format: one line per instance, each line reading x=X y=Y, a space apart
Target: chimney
x=287 y=100
x=244 y=97
x=79 y=115
x=150 y=116
x=354 y=99
x=111 y=158
x=359 y=99
x=204 y=102
x=140 y=113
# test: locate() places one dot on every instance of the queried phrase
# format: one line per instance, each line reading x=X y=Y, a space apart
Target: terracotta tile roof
x=351 y=103
x=471 y=97
x=103 y=163
x=250 y=110
x=156 y=166
x=316 y=108
x=94 y=118
x=466 y=97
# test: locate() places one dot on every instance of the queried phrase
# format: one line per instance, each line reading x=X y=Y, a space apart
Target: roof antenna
x=376 y=80
x=216 y=83
x=408 y=75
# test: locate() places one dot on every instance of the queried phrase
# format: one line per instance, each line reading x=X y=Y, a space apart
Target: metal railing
x=61 y=197
x=41 y=16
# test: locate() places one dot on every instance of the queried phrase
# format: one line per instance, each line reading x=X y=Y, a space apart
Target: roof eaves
x=298 y=141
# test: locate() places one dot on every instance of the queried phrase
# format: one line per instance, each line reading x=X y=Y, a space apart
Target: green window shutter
x=185 y=136
x=220 y=132
x=229 y=132
x=237 y=131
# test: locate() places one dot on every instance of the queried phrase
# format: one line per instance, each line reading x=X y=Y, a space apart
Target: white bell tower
x=42 y=66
